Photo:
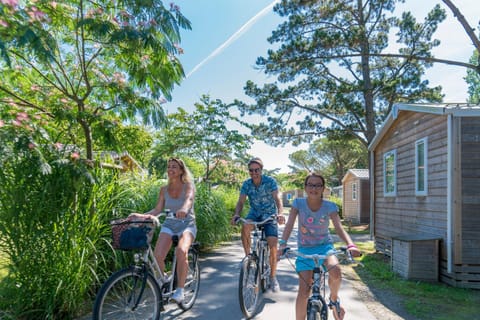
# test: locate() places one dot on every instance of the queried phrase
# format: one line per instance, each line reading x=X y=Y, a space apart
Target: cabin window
x=421 y=175
x=390 y=173
x=354 y=191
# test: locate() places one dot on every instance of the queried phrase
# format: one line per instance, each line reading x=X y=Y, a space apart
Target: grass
x=3 y=269
x=420 y=299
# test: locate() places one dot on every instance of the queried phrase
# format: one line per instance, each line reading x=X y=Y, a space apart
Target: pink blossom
x=16 y=123
x=179 y=49
x=75 y=155
x=11 y=3
x=3 y=23
x=58 y=145
x=53 y=4
x=63 y=100
x=21 y=116
x=2 y=123
x=34 y=87
x=36 y=14
x=31 y=145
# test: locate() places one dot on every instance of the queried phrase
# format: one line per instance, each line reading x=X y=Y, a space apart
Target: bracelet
x=282 y=242
x=351 y=246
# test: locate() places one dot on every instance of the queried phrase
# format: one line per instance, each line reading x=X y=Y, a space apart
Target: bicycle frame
x=317 y=296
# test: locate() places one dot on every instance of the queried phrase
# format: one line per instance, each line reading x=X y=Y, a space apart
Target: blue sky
x=228 y=35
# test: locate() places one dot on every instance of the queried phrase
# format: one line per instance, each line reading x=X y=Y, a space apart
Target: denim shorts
x=303 y=264
x=271 y=228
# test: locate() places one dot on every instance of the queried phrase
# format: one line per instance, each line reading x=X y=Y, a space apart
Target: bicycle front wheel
x=127 y=294
x=192 y=282
x=265 y=269
x=316 y=311
x=249 y=286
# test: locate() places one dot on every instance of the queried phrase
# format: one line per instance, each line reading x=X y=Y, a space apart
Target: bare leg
x=182 y=257
x=334 y=280
x=272 y=244
x=163 y=245
x=304 y=284
x=246 y=230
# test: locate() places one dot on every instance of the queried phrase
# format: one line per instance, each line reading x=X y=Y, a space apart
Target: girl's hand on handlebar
x=281 y=218
x=354 y=251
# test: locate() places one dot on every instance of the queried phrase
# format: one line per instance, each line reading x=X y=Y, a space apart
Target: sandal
x=339 y=312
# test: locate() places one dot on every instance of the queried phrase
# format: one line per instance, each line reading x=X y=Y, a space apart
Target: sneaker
x=178 y=296
x=274 y=285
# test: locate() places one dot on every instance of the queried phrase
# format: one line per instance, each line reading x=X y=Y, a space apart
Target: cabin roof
x=455 y=109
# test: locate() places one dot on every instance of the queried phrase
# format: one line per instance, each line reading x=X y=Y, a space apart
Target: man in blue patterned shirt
x=264 y=197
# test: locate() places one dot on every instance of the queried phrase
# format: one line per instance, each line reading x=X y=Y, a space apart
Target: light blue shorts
x=302 y=264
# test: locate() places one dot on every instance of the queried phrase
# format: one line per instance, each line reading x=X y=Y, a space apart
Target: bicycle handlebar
x=317 y=257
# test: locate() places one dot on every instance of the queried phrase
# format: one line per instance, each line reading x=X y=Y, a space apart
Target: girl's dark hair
x=313 y=174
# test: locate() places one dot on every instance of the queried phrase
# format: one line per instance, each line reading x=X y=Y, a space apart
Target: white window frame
x=424 y=192
x=390 y=193
x=354 y=191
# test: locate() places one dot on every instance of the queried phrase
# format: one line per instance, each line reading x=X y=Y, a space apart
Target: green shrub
x=339 y=203
x=213 y=217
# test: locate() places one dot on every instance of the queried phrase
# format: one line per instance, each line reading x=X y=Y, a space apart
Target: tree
x=203 y=135
x=82 y=63
x=331 y=157
x=473 y=80
x=332 y=69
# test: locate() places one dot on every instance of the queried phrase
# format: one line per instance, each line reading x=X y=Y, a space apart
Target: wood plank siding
x=403 y=212
x=470 y=186
x=407 y=213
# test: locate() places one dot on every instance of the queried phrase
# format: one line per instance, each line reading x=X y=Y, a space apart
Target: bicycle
x=317 y=307
x=141 y=290
x=255 y=268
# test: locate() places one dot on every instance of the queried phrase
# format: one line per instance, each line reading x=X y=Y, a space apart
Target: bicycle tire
x=192 y=283
x=265 y=263
x=317 y=312
x=248 y=286
x=119 y=293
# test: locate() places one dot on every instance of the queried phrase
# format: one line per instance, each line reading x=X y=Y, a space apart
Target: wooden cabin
x=425 y=174
x=356 y=196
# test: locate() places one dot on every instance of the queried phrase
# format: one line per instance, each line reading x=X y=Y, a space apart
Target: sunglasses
x=256 y=170
x=314 y=186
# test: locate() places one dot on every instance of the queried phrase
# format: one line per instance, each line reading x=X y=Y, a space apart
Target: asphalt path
x=218 y=294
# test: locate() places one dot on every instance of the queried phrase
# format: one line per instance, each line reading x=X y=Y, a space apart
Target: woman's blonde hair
x=187 y=176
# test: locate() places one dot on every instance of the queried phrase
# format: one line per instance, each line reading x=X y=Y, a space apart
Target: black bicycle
x=317 y=307
x=141 y=290
x=255 y=269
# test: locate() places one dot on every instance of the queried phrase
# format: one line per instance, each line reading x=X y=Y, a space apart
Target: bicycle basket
x=132 y=234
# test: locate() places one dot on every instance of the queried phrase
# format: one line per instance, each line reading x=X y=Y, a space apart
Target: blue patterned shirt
x=262 y=203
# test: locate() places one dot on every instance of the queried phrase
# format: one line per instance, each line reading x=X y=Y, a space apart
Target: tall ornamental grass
x=50 y=226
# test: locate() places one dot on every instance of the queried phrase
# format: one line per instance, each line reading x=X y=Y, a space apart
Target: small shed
x=425 y=181
x=356 y=196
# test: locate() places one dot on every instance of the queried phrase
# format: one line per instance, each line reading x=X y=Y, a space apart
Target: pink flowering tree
x=86 y=65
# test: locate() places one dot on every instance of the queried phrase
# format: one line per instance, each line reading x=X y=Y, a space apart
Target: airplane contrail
x=234 y=37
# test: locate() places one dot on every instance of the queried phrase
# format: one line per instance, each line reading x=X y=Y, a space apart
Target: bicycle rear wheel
x=192 y=282
x=128 y=295
x=249 y=286
x=317 y=310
